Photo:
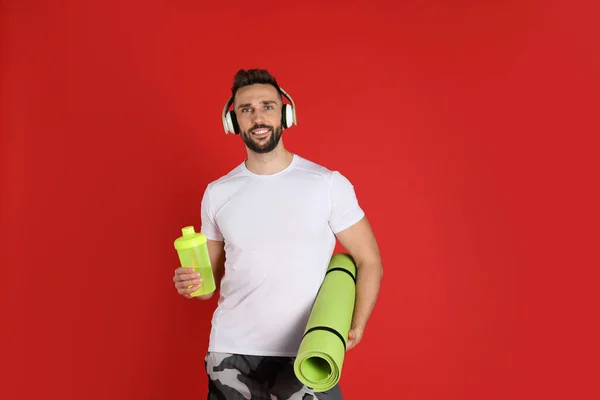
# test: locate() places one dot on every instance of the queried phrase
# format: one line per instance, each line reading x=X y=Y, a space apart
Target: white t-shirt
x=279 y=238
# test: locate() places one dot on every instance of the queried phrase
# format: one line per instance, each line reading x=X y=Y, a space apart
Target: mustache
x=261 y=126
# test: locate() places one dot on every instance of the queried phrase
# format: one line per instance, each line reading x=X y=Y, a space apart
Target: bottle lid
x=189 y=238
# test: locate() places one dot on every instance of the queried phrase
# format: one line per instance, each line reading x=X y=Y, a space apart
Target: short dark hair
x=253 y=76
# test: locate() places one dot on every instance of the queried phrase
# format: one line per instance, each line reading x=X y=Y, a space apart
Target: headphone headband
x=288 y=114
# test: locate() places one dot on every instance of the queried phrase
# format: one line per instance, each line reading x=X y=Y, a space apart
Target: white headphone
x=288 y=115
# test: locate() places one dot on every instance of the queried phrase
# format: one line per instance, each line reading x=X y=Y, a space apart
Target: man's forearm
x=367 y=290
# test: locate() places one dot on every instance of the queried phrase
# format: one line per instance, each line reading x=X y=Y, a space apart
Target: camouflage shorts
x=243 y=377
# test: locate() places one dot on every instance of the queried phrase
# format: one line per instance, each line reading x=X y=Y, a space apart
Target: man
x=272 y=224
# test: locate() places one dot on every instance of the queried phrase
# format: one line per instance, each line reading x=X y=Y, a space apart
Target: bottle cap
x=189 y=239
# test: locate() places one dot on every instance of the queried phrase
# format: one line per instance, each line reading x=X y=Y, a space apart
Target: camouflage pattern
x=244 y=377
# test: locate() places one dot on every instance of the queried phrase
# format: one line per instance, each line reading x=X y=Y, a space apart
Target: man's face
x=258 y=112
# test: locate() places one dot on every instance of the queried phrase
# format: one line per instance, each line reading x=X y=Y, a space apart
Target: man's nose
x=257 y=117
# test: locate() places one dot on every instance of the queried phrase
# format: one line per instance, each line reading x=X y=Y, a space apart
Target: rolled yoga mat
x=320 y=357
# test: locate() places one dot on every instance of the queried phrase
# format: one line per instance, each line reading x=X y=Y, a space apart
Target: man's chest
x=263 y=214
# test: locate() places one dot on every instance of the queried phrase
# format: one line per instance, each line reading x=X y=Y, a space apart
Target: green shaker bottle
x=193 y=252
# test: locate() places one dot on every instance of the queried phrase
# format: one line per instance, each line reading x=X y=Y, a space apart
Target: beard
x=262 y=147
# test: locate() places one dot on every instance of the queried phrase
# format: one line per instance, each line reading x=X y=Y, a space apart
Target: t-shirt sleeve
x=345 y=210
x=209 y=227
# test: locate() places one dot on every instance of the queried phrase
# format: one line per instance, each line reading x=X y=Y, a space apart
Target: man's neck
x=269 y=163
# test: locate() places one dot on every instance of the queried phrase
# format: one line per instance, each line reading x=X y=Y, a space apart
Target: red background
x=464 y=126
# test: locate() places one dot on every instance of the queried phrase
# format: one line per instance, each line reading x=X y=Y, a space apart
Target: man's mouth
x=261 y=132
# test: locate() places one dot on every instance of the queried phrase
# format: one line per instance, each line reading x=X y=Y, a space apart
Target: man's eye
x=245 y=109
x=269 y=107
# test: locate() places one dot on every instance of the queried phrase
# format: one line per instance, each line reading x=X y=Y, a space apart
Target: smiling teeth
x=260 y=131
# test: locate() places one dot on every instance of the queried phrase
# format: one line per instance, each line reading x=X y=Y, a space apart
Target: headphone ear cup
x=284 y=116
x=232 y=124
x=287 y=116
x=227 y=123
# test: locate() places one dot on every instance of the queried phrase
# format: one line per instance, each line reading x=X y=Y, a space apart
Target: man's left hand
x=354 y=337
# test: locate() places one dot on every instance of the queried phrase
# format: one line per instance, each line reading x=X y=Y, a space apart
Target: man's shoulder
x=330 y=174
x=236 y=172
x=311 y=167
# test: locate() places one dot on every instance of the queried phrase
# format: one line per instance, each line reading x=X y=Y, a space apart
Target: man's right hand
x=186 y=281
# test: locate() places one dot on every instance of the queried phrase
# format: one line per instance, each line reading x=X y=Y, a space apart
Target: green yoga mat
x=320 y=357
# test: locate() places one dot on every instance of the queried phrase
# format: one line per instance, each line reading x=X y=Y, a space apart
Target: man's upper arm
x=359 y=240
x=210 y=227
x=216 y=251
x=349 y=223
x=215 y=241
x=345 y=210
